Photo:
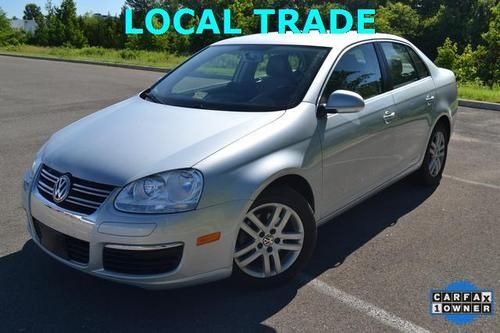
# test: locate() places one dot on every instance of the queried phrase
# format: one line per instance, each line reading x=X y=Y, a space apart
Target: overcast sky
x=16 y=7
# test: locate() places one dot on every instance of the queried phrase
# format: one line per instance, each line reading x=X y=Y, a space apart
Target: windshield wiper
x=147 y=93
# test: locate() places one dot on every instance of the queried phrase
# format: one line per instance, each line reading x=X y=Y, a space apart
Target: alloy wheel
x=437 y=153
x=270 y=240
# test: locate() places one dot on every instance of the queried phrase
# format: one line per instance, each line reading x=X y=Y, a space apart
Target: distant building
x=26 y=25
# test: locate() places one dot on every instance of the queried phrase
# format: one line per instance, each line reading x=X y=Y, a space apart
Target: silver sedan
x=229 y=163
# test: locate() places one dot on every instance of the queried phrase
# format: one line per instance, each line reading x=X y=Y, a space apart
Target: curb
x=88 y=62
x=479 y=105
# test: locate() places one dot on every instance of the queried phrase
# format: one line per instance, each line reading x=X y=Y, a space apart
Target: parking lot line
x=367 y=308
x=496 y=187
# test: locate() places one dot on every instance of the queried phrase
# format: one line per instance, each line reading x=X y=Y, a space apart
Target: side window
x=358 y=70
x=419 y=63
x=401 y=67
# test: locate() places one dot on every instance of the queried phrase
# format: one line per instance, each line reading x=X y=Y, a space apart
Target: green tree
x=98 y=31
x=4 y=21
x=324 y=9
x=447 y=54
x=55 y=29
x=465 y=65
x=489 y=54
x=430 y=35
x=478 y=21
x=463 y=21
x=72 y=33
x=457 y=16
x=425 y=8
x=91 y=29
x=140 y=8
x=33 y=12
x=158 y=42
x=397 y=18
x=9 y=36
x=242 y=15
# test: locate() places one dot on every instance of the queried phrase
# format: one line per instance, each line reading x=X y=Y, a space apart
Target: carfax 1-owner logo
x=461 y=302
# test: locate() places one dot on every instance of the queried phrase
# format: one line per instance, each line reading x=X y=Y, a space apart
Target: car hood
x=137 y=138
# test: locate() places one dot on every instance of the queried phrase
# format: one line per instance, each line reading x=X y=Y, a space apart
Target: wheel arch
x=297 y=183
x=444 y=121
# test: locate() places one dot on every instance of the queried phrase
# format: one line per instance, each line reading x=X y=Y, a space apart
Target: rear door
x=413 y=92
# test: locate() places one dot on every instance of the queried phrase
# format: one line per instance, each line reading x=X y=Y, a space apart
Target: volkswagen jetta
x=229 y=163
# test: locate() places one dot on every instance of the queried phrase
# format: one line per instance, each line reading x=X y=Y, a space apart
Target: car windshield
x=241 y=78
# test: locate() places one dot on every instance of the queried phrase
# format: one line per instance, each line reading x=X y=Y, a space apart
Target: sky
x=16 y=7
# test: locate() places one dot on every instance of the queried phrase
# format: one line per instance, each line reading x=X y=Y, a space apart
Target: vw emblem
x=268 y=240
x=61 y=189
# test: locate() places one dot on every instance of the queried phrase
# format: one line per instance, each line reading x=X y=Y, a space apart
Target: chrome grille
x=84 y=197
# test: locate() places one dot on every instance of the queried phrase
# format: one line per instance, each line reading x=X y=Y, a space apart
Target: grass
x=479 y=93
x=166 y=60
x=129 y=57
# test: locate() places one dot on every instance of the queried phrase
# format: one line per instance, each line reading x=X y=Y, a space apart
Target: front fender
x=242 y=170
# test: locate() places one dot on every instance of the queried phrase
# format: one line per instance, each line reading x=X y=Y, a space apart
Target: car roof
x=314 y=38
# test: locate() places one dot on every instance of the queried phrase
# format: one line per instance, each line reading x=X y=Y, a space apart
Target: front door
x=358 y=148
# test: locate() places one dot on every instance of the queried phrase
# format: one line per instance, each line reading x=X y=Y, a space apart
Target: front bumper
x=108 y=227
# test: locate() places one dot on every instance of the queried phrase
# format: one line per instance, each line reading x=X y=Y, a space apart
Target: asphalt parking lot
x=371 y=271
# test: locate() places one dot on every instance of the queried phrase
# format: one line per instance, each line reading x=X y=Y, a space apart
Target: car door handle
x=429 y=99
x=389 y=116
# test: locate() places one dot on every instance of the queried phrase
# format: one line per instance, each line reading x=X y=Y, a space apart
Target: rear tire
x=431 y=171
x=275 y=240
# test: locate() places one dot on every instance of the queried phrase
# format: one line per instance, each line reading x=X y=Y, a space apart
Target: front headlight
x=168 y=192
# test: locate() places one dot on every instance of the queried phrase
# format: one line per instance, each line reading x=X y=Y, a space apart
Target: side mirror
x=343 y=101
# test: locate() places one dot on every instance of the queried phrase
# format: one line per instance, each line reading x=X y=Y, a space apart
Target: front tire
x=276 y=238
x=432 y=167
